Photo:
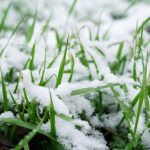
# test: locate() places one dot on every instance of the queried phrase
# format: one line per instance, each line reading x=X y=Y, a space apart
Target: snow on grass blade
x=83 y=57
x=92 y=89
x=127 y=110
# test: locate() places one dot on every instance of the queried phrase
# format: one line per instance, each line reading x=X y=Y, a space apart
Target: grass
x=2 y=23
x=4 y=93
x=25 y=130
x=12 y=34
x=52 y=117
x=31 y=64
x=62 y=66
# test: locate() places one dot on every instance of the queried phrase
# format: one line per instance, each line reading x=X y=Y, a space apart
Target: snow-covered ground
x=97 y=30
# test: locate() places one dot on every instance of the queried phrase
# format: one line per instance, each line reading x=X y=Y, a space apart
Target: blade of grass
x=43 y=72
x=30 y=29
x=16 y=106
x=25 y=96
x=32 y=78
x=26 y=64
x=20 y=123
x=2 y=23
x=127 y=110
x=52 y=117
x=12 y=34
x=45 y=27
x=4 y=93
x=98 y=30
x=142 y=25
x=94 y=62
x=72 y=67
x=53 y=61
x=83 y=58
x=92 y=89
x=72 y=7
x=62 y=66
x=120 y=50
x=31 y=64
x=58 y=39
x=28 y=137
x=141 y=99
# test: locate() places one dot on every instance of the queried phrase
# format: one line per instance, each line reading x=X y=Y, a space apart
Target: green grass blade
x=100 y=103
x=143 y=95
x=95 y=64
x=30 y=29
x=45 y=27
x=12 y=34
x=16 y=106
x=52 y=117
x=72 y=7
x=137 y=118
x=31 y=64
x=58 y=39
x=2 y=23
x=32 y=78
x=26 y=64
x=20 y=123
x=72 y=67
x=142 y=25
x=128 y=111
x=26 y=147
x=62 y=66
x=84 y=59
x=16 y=87
x=134 y=70
x=92 y=89
x=43 y=72
x=4 y=93
x=28 y=137
x=120 y=50
x=53 y=61
x=64 y=117
x=25 y=96
x=98 y=30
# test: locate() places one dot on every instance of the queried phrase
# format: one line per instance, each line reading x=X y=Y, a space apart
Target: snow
x=77 y=139
x=7 y=114
x=84 y=19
